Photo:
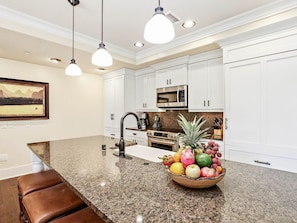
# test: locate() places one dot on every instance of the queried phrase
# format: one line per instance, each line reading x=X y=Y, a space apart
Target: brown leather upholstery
x=43 y=205
x=36 y=181
x=86 y=215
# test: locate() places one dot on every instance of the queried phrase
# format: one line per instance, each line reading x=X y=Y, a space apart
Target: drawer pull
x=262 y=162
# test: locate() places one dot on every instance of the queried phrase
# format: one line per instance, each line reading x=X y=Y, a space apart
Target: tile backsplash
x=168 y=119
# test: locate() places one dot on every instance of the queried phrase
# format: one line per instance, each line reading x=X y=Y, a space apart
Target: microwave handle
x=177 y=95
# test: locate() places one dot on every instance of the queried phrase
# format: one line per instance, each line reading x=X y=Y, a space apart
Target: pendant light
x=102 y=57
x=159 y=29
x=73 y=69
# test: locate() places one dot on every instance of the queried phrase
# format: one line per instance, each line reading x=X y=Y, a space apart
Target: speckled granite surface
x=119 y=189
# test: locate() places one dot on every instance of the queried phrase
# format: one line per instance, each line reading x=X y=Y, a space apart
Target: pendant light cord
x=73 y=29
x=102 y=21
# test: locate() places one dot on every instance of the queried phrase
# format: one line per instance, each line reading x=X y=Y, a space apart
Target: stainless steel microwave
x=172 y=97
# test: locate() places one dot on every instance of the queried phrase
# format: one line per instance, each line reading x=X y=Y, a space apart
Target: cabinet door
x=280 y=101
x=140 y=93
x=162 y=78
x=198 y=86
x=215 y=99
x=179 y=75
x=119 y=96
x=109 y=97
x=243 y=104
x=150 y=93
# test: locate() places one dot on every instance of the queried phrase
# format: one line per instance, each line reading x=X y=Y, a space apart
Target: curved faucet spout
x=122 y=141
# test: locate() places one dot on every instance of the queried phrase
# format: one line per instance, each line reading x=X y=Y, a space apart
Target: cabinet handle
x=111 y=116
x=208 y=103
x=262 y=162
x=204 y=103
x=145 y=105
x=167 y=81
x=134 y=133
x=226 y=123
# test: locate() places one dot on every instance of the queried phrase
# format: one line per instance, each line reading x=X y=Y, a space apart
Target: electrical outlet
x=3 y=157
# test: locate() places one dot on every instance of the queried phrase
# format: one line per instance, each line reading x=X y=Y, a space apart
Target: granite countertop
x=120 y=189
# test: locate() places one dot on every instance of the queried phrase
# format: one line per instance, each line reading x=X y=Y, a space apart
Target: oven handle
x=166 y=142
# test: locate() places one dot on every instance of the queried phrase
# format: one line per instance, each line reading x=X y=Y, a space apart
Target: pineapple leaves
x=192 y=131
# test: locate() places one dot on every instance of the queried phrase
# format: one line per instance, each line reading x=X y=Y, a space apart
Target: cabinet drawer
x=280 y=163
x=115 y=133
x=136 y=133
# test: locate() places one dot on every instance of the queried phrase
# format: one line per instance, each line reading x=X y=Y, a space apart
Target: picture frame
x=23 y=99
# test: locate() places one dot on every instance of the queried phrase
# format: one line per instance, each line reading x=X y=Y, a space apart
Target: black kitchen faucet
x=122 y=141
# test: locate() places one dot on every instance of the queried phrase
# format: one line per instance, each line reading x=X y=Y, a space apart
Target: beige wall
x=75 y=109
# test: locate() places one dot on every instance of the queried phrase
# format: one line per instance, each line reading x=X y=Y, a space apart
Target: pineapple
x=193 y=133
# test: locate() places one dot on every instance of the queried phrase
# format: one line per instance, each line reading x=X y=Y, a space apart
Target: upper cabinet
x=206 y=82
x=146 y=92
x=172 y=73
x=173 y=76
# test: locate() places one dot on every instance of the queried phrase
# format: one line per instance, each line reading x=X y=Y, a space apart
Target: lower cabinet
x=112 y=132
x=140 y=137
x=255 y=158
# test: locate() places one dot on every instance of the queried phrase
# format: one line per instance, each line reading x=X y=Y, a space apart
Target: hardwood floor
x=9 y=203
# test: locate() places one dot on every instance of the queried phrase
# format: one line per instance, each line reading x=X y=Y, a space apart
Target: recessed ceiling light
x=27 y=53
x=55 y=60
x=189 y=24
x=138 y=44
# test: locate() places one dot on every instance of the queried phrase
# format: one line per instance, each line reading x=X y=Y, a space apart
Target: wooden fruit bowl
x=196 y=183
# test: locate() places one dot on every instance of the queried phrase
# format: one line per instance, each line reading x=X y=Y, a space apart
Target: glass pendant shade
x=73 y=69
x=102 y=57
x=159 y=29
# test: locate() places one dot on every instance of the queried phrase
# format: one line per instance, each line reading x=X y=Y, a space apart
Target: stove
x=166 y=139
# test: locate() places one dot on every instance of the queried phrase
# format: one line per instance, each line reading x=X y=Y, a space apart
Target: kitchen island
x=137 y=190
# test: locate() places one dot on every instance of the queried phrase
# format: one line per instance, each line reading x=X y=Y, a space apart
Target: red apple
x=208 y=172
x=193 y=171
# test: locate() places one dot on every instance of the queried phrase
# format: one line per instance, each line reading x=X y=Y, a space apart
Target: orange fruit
x=219 y=169
x=177 y=168
x=177 y=157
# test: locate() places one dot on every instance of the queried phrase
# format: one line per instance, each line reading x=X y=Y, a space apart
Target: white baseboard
x=15 y=171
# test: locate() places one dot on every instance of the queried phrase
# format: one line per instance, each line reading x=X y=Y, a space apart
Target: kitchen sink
x=146 y=152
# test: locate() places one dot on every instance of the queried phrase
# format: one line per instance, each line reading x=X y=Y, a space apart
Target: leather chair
x=86 y=215
x=42 y=206
x=35 y=181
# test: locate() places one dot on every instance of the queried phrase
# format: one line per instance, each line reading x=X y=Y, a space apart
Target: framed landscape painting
x=21 y=99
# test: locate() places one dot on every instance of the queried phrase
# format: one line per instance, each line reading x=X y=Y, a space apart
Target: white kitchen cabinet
x=260 y=111
x=146 y=93
x=206 y=85
x=172 y=76
x=140 y=137
x=119 y=98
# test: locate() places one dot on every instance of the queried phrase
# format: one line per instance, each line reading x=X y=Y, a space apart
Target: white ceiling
x=43 y=28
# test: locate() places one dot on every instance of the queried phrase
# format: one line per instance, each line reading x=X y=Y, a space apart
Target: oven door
x=166 y=144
